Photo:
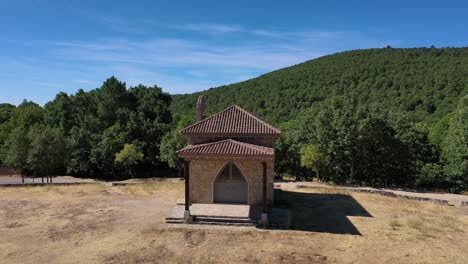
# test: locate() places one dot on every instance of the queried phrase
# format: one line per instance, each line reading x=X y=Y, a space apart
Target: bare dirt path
x=125 y=224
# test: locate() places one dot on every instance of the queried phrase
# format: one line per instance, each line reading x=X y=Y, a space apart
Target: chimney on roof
x=200 y=108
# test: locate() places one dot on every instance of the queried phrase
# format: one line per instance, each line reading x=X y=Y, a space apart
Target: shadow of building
x=320 y=212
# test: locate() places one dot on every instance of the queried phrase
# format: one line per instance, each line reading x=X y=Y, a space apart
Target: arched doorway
x=230 y=186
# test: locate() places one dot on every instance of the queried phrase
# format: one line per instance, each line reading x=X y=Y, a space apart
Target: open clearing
x=101 y=224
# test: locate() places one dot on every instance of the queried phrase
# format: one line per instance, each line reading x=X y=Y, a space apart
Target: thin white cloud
x=210 y=28
x=182 y=63
x=181 y=53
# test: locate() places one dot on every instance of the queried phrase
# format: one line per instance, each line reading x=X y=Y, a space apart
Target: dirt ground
x=102 y=224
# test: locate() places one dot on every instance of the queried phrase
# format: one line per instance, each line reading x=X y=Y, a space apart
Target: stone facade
x=204 y=171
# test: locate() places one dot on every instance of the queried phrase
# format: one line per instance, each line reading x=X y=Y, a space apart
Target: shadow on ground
x=320 y=212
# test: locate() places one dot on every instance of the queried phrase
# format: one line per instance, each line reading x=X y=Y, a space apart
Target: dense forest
x=110 y=133
x=376 y=117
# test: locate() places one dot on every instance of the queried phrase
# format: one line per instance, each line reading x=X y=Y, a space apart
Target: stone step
x=174 y=218
x=222 y=223
x=224 y=219
x=174 y=221
x=223 y=216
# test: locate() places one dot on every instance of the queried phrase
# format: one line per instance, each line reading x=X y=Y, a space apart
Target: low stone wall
x=19 y=185
x=391 y=194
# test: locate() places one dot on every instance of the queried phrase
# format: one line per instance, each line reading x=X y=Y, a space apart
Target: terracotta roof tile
x=231 y=121
x=226 y=148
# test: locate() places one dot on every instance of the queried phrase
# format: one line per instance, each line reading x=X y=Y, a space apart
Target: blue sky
x=186 y=46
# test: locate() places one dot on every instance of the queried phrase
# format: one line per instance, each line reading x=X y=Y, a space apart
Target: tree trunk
x=130 y=170
x=351 y=173
x=113 y=173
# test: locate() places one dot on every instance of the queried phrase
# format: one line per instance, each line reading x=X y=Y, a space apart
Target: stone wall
x=386 y=193
x=204 y=171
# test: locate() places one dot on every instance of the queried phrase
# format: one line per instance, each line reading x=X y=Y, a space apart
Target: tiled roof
x=232 y=121
x=226 y=148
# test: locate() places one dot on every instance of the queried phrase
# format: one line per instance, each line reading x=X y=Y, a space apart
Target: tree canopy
x=81 y=134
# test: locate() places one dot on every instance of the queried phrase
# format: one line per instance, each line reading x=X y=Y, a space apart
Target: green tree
x=380 y=156
x=47 y=153
x=17 y=146
x=129 y=156
x=337 y=135
x=432 y=176
x=103 y=154
x=58 y=113
x=6 y=127
x=111 y=96
x=313 y=159
x=439 y=130
x=150 y=121
x=27 y=114
x=174 y=141
x=455 y=148
x=80 y=144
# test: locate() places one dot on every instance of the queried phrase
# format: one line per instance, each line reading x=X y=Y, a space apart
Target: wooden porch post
x=187 y=184
x=264 y=187
x=264 y=216
x=187 y=217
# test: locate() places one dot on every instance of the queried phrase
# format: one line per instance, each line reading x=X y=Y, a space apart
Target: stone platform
x=225 y=214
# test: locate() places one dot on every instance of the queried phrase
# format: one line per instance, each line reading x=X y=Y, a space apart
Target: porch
x=226 y=214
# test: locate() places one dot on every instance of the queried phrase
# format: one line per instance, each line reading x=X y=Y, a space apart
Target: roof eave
x=270 y=135
x=223 y=156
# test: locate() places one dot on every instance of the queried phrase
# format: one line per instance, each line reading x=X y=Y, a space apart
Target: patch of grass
x=451 y=223
x=49 y=188
x=416 y=223
x=326 y=190
x=427 y=227
x=78 y=188
x=149 y=188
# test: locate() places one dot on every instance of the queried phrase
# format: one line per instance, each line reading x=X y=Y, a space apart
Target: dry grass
x=395 y=224
x=149 y=188
x=125 y=224
x=330 y=190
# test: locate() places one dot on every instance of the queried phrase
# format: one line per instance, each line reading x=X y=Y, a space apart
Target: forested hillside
x=427 y=82
x=375 y=117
